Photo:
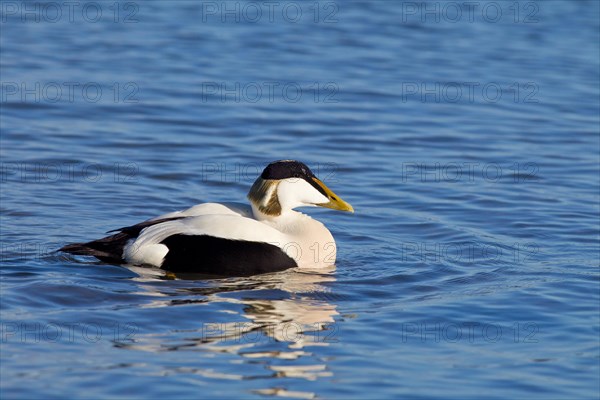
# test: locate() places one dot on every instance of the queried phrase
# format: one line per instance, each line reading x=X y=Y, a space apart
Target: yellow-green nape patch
x=263 y=194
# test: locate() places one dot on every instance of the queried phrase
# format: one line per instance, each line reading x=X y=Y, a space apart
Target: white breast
x=309 y=242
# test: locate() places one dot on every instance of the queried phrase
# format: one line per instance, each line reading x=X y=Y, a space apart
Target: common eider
x=233 y=239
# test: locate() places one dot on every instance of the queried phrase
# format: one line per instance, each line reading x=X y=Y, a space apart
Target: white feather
x=146 y=249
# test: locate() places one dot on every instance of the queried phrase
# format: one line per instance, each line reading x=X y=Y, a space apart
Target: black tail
x=108 y=249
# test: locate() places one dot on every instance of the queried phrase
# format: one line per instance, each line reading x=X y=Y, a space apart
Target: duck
x=233 y=239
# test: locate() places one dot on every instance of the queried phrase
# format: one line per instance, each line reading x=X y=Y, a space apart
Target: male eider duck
x=233 y=239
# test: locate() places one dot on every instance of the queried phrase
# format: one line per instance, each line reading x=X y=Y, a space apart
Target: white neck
x=308 y=240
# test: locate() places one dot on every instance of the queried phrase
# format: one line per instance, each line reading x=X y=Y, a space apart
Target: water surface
x=469 y=148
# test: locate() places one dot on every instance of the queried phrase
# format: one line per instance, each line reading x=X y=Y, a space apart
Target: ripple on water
x=446 y=284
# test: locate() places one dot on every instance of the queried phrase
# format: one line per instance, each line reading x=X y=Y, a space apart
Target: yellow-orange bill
x=335 y=202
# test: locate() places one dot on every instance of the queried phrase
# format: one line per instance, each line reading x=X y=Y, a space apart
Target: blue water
x=466 y=138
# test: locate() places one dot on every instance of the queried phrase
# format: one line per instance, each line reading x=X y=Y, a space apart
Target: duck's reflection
x=278 y=332
x=289 y=306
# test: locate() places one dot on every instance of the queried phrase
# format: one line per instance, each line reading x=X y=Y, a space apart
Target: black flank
x=203 y=254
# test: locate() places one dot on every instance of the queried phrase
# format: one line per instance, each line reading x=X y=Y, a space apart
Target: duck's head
x=287 y=184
